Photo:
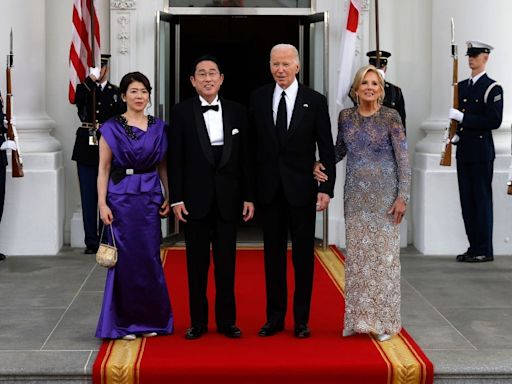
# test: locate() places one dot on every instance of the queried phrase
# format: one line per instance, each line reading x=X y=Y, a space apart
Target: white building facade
x=42 y=210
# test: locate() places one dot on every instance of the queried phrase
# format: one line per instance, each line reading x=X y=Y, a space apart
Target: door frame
x=307 y=18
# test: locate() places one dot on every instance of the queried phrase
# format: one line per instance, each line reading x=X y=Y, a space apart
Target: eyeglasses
x=202 y=75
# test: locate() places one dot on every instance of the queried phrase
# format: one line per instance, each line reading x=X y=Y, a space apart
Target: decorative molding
x=365 y=5
x=123 y=35
x=123 y=4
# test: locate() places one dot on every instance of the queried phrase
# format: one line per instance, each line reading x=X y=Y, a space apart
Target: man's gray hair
x=283 y=46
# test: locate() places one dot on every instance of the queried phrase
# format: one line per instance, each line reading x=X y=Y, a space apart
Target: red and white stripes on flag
x=347 y=54
x=80 y=53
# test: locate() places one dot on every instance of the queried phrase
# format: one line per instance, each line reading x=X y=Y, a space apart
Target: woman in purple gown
x=132 y=171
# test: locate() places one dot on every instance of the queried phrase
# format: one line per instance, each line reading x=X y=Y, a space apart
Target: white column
x=123 y=37
x=439 y=228
x=34 y=208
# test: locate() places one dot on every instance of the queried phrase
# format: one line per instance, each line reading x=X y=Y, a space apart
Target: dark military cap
x=104 y=59
x=477 y=47
x=383 y=57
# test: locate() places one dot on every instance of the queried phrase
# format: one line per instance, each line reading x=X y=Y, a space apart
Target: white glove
x=9 y=144
x=94 y=72
x=455 y=114
x=13 y=121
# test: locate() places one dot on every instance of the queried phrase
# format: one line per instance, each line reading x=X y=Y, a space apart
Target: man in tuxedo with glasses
x=211 y=189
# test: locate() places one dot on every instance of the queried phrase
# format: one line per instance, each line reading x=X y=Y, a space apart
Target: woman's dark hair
x=132 y=77
x=204 y=58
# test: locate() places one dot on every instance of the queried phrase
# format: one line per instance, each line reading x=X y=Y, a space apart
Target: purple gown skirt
x=135 y=299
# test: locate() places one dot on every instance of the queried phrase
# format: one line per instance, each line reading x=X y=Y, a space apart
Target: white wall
x=415 y=31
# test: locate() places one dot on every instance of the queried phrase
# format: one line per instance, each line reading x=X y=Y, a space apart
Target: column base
x=77 y=230
x=438 y=225
x=33 y=219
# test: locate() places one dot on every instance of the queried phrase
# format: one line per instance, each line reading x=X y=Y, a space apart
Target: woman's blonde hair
x=358 y=79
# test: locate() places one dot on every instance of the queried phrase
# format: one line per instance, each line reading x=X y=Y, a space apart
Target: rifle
x=17 y=162
x=377 y=38
x=446 y=154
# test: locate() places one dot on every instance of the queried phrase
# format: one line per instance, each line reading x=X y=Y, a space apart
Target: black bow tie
x=205 y=108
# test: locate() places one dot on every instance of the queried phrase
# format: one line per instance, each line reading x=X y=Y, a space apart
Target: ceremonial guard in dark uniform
x=85 y=151
x=393 y=97
x=3 y=164
x=480 y=111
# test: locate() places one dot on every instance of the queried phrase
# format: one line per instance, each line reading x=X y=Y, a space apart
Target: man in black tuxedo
x=210 y=180
x=289 y=121
x=480 y=112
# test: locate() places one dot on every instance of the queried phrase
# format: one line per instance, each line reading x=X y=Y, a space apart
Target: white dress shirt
x=213 y=121
x=291 y=95
x=475 y=79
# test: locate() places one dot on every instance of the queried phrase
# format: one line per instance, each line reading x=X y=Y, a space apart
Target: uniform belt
x=89 y=125
x=117 y=174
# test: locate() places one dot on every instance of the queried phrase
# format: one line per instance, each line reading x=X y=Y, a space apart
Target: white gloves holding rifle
x=455 y=114
x=9 y=144
x=94 y=73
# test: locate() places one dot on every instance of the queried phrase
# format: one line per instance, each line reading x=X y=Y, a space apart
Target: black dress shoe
x=462 y=257
x=231 y=331
x=2 y=257
x=302 y=331
x=195 y=332
x=270 y=329
x=478 y=259
x=90 y=251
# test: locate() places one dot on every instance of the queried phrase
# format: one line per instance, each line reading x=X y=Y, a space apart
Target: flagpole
x=377 y=33
x=92 y=13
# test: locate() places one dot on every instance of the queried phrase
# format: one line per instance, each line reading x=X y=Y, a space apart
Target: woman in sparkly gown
x=378 y=175
x=135 y=300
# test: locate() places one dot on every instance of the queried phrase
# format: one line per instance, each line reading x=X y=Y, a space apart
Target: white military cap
x=477 y=47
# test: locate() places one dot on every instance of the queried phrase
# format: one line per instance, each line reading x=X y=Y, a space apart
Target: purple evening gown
x=135 y=300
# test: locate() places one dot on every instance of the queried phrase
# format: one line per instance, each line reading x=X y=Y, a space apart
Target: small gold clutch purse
x=107 y=254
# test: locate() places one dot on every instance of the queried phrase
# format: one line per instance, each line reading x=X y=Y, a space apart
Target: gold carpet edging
x=139 y=359
x=406 y=366
x=333 y=266
x=119 y=364
x=105 y=359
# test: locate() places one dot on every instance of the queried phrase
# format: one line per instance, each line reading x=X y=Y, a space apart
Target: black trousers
x=87 y=177
x=475 y=191
x=221 y=234
x=279 y=217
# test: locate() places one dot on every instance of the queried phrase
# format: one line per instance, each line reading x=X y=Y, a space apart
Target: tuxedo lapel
x=202 y=132
x=228 y=135
x=298 y=112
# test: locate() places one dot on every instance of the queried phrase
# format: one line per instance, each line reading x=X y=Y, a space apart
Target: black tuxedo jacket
x=194 y=178
x=291 y=164
x=482 y=114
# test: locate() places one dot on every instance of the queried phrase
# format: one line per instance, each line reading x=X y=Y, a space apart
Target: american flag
x=80 y=53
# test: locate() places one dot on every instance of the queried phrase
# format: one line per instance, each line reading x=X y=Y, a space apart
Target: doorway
x=241 y=42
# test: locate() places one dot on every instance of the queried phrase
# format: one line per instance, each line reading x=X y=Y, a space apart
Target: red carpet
x=326 y=357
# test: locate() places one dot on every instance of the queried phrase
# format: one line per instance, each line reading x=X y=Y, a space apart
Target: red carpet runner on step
x=326 y=357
